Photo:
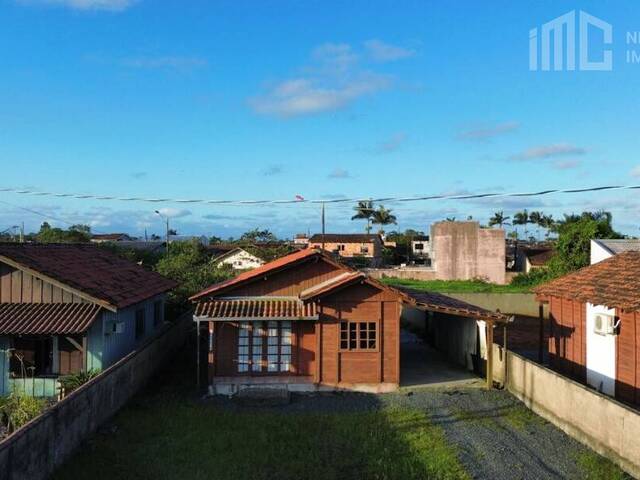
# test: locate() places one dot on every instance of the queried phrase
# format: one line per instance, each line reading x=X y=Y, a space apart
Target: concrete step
x=263 y=396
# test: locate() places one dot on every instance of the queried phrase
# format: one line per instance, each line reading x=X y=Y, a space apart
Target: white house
x=602 y=249
x=239 y=259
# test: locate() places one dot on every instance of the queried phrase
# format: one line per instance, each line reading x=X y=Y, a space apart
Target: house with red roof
x=595 y=325
x=71 y=308
x=307 y=322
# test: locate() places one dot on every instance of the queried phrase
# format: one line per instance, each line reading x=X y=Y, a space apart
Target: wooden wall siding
x=567 y=343
x=627 y=344
x=288 y=282
x=17 y=286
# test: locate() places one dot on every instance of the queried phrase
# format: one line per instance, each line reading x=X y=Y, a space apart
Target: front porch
x=33 y=364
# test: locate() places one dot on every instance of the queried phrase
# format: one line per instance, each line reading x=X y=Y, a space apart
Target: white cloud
x=392 y=144
x=340 y=173
x=110 y=5
x=566 y=164
x=384 y=52
x=333 y=80
x=174 y=212
x=549 y=151
x=175 y=62
x=302 y=96
x=487 y=132
x=635 y=171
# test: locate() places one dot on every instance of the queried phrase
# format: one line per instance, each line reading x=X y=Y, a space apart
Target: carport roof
x=437 y=302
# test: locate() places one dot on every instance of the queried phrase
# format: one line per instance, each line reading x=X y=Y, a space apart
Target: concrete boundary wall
x=511 y=303
x=37 y=449
x=596 y=420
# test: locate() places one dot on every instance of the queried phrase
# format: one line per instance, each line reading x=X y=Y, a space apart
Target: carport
x=458 y=338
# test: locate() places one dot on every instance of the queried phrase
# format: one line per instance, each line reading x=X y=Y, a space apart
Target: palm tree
x=535 y=218
x=499 y=219
x=548 y=223
x=521 y=218
x=364 y=211
x=382 y=217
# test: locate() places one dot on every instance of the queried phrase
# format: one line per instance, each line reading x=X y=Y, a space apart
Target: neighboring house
x=351 y=246
x=420 y=246
x=71 y=308
x=239 y=259
x=202 y=239
x=110 y=237
x=602 y=249
x=464 y=251
x=306 y=322
x=595 y=325
x=530 y=258
x=301 y=240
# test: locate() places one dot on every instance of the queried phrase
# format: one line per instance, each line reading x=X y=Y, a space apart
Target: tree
x=521 y=218
x=382 y=217
x=535 y=218
x=364 y=211
x=190 y=266
x=499 y=219
x=548 y=223
x=574 y=241
x=258 y=236
x=75 y=234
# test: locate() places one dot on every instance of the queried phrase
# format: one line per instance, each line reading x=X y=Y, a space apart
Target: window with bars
x=358 y=336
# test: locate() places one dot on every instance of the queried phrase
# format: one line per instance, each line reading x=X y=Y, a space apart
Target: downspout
x=197 y=320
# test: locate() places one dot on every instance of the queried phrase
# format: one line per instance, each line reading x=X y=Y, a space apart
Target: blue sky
x=245 y=100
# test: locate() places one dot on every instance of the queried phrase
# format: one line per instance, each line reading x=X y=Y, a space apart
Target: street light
x=166 y=219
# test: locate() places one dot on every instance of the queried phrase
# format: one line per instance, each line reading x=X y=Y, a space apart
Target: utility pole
x=166 y=219
x=22 y=232
x=323 y=226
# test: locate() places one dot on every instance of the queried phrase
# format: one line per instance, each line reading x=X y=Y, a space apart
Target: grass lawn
x=455 y=286
x=165 y=437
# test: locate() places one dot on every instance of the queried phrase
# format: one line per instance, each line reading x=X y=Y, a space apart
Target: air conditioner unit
x=604 y=324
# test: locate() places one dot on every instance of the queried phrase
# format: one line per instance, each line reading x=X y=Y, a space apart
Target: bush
x=18 y=408
x=76 y=380
x=532 y=279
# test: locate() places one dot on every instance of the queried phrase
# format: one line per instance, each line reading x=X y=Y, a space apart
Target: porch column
x=55 y=363
x=489 y=354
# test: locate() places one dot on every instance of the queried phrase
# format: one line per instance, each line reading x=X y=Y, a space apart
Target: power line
x=315 y=201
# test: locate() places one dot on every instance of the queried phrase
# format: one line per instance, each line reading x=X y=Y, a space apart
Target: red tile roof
x=257 y=309
x=46 y=318
x=88 y=269
x=345 y=238
x=614 y=282
x=539 y=257
x=438 y=302
x=276 y=265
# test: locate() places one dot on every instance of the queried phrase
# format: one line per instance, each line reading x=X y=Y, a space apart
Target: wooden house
x=71 y=308
x=308 y=322
x=595 y=325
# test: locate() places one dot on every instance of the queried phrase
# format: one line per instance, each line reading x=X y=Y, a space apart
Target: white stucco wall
x=242 y=261
x=598 y=253
x=601 y=353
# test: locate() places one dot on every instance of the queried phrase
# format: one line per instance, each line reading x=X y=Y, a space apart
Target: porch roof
x=437 y=302
x=256 y=308
x=46 y=318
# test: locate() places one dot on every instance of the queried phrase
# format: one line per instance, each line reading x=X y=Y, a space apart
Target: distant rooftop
x=344 y=238
x=616 y=246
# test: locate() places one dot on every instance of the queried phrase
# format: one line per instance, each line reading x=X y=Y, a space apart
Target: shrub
x=532 y=279
x=76 y=380
x=18 y=408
